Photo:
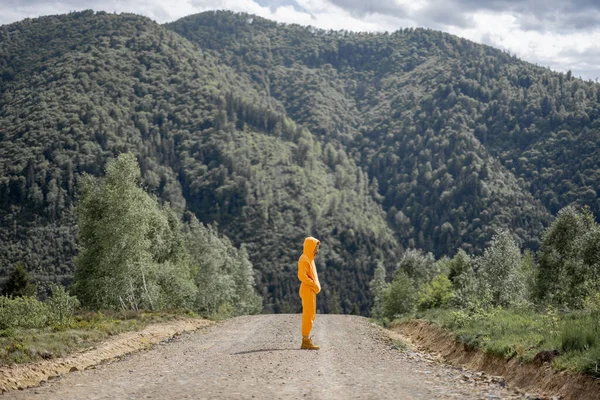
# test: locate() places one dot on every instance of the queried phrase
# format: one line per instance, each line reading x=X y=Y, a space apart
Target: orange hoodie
x=307 y=271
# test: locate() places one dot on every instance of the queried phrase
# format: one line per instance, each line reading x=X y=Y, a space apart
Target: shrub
x=419 y=267
x=23 y=312
x=437 y=293
x=19 y=283
x=400 y=297
x=61 y=306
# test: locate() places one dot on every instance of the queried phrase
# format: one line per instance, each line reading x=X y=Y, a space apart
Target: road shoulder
x=21 y=376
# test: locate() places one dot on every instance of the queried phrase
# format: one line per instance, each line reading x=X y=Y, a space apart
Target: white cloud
x=532 y=38
x=560 y=51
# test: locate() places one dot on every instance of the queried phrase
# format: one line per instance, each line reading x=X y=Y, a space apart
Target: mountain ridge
x=372 y=142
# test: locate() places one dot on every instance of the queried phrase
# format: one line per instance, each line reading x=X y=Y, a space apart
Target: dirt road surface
x=259 y=357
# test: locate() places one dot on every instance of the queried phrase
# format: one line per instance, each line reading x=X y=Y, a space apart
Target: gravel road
x=259 y=357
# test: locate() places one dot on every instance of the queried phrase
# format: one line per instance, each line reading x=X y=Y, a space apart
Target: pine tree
x=19 y=283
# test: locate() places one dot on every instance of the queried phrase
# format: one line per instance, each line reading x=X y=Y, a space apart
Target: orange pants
x=309 y=311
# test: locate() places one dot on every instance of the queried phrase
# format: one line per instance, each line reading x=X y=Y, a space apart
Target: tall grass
x=573 y=338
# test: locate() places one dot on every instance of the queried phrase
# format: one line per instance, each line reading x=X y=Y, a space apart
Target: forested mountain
x=371 y=142
x=79 y=89
x=462 y=138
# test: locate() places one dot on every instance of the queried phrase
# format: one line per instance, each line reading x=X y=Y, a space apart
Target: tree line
x=137 y=255
x=564 y=273
x=375 y=143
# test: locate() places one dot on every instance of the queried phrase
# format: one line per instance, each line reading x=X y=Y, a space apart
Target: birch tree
x=130 y=257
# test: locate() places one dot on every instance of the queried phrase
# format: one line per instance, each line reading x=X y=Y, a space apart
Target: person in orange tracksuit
x=310 y=286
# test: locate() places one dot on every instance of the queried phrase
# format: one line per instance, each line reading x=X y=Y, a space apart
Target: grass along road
x=259 y=357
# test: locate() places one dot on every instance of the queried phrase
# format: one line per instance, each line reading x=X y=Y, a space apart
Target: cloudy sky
x=561 y=34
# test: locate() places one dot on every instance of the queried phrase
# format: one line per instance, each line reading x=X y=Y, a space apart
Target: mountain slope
x=385 y=99
x=85 y=87
x=371 y=142
x=524 y=115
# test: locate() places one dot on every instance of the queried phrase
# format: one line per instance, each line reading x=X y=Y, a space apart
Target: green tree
x=565 y=278
x=499 y=271
x=400 y=297
x=420 y=267
x=19 y=283
x=458 y=265
x=129 y=256
x=464 y=281
x=224 y=275
x=437 y=293
x=378 y=286
x=333 y=303
x=529 y=273
x=247 y=300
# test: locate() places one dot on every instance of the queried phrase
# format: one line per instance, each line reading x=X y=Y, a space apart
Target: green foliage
x=463 y=278
x=378 y=287
x=29 y=312
x=130 y=255
x=580 y=335
x=333 y=303
x=570 y=338
x=23 y=312
x=418 y=266
x=374 y=142
x=499 y=272
x=437 y=293
x=529 y=274
x=400 y=297
x=460 y=264
x=223 y=274
x=62 y=306
x=85 y=329
x=19 y=283
x=568 y=269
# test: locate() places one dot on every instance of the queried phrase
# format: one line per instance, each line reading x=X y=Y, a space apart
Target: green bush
x=23 y=312
x=19 y=283
x=61 y=306
x=400 y=297
x=437 y=293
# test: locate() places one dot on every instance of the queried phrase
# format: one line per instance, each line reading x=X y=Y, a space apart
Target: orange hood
x=310 y=243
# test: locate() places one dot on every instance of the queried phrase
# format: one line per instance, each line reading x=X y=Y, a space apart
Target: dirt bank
x=26 y=375
x=541 y=378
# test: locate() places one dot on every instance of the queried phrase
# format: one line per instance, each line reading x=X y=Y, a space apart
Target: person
x=309 y=288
